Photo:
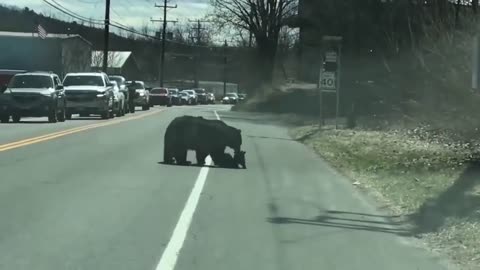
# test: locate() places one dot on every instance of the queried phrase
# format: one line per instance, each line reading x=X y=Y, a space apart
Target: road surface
x=91 y=194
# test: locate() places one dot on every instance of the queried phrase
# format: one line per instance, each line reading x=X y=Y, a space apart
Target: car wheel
x=105 y=115
x=52 y=118
x=145 y=107
x=16 y=118
x=68 y=116
x=61 y=116
x=119 y=112
x=111 y=114
x=5 y=119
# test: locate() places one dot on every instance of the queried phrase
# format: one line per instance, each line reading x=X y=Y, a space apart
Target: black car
x=174 y=94
x=160 y=96
x=34 y=94
x=201 y=95
x=242 y=97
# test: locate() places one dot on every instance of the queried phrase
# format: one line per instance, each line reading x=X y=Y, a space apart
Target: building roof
x=116 y=59
x=35 y=35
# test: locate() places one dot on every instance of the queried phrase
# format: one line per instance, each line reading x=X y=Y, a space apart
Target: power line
x=78 y=15
x=119 y=26
x=74 y=15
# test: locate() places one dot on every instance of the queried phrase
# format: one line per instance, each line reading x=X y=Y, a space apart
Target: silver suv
x=34 y=94
x=89 y=93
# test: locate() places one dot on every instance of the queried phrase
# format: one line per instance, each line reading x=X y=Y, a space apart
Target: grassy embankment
x=429 y=175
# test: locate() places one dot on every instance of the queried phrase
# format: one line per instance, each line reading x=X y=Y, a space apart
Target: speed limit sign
x=328 y=81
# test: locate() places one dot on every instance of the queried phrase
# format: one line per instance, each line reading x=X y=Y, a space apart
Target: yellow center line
x=58 y=134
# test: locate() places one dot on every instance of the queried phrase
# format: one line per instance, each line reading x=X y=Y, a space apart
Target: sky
x=135 y=13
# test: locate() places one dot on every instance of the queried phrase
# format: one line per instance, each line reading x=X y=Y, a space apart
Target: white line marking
x=172 y=251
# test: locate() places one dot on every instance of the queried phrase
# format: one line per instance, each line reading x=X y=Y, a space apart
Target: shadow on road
x=350 y=221
x=195 y=165
x=30 y=122
x=85 y=118
x=459 y=201
x=269 y=138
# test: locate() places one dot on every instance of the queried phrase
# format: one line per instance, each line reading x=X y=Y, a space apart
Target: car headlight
x=141 y=94
x=101 y=95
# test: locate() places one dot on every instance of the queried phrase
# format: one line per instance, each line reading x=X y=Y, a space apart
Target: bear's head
x=239 y=158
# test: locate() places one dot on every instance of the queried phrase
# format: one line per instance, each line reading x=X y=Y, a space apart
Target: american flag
x=42 y=33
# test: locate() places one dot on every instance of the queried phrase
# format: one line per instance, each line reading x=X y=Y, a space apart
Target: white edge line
x=172 y=251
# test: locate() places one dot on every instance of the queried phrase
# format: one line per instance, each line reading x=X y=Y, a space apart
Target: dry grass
x=433 y=182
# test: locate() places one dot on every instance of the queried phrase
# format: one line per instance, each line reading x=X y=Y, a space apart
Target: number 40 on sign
x=328 y=81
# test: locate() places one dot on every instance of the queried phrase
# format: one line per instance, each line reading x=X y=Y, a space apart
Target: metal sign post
x=329 y=79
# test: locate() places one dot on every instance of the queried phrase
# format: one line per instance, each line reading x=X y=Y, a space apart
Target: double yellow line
x=51 y=136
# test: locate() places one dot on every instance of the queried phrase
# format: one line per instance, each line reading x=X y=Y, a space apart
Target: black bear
x=225 y=160
x=201 y=135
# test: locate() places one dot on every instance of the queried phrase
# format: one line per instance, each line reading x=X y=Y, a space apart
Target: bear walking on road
x=203 y=136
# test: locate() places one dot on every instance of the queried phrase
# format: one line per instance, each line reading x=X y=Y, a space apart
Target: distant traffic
x=87 y=94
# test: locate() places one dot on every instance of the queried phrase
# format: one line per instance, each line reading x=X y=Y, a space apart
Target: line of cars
x=44 y=94
x=173 y=96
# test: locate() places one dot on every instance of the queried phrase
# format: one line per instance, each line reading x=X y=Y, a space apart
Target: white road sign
x=328 y=81
x=331 y=57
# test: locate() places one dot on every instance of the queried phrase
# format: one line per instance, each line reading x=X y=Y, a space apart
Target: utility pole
x=164 y=29
x=163 y=52
x=198 y=28
x=106 y=36
x=225 y=68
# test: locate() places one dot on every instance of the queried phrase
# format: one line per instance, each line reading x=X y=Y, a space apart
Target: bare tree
x=145 y=30
x=264 y=18
x=112 y=59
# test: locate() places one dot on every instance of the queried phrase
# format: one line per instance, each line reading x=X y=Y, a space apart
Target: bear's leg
x=181 y=156
x=167 y=154
x=201 y=157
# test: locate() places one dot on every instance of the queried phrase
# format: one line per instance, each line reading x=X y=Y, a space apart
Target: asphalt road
x=96 y=197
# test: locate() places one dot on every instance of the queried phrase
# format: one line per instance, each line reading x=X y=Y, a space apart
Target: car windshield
x=231 y=95
x=80 y=80
x=137 y=85
x=31 y=81
x=199 y=91
x=119 y=80
x=158 y=91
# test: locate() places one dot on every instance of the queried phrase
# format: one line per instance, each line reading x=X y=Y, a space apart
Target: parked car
x=118 y=101
x=89 y=93
x=185 y=98
x=193 y=96
x=210 y=98
x=160 y=96
x=201 y=95
x=230 y=98
x=142 y=95
x=121 y=82
x=173 y=92
x=34 y=94
x=6 y=75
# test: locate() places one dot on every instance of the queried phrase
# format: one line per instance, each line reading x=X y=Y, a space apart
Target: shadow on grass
x=350 y=221
x=457 y=201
